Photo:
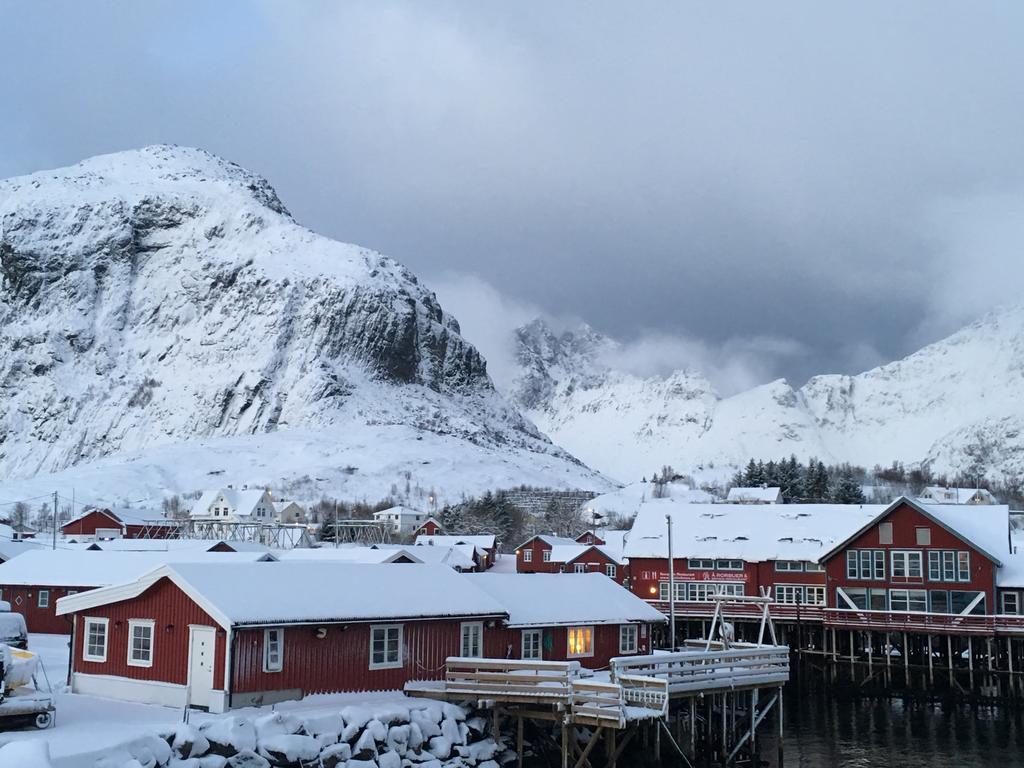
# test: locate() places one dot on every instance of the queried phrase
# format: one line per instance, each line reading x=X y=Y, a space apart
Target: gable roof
x=482 y=541
x=938 y=494
x=757 y=494
x=567 y=553
x=241 y=500
x=986 y=527
x=170 y=545
x=550 y=539
x=349 y=554
x=86 y=568
x=287 y=592
x=750 y=532
x=563 y=599
x=109 y=514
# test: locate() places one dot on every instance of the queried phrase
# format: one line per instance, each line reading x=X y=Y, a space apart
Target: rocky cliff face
x=162 y=295
x=954 y=404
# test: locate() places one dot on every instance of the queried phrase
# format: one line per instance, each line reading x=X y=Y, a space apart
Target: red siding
x=341 y=660
x=508 y=643
x=172 y=611
x=25 y=600
x=537 y=565
x=905 y=520
x=596 y=560
x=86 y=526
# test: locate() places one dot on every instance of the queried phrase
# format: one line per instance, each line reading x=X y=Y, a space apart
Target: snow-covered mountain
x=164 y=319
x=955 y=404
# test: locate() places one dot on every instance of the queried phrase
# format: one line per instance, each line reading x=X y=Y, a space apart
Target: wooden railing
x=700 y=609
x=705 y=671
x=649 y=693
x=509 y=679
x=598 y=704
x=937 y=623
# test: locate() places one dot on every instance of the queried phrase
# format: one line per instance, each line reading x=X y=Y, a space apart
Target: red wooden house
x=429 y=527
x=582 y=617
x=534 y=554
x=106 y=524
x=221 y=636
x=918 y=558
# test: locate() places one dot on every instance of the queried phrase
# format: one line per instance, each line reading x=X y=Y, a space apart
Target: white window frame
x=524 y=646
x=610 y=570
x=527 y=555
x=466 y=633
x=385 y=628
x=88 y=622
x=1016 y=603
x=629 y=638
x=546 y=556
x=700 y=564
x=812 y=567
x=814 y=594
x=728 y=565
x=789 y=594
x=579 y=567
x=40 y=602
x=789 y=566
x=143 y=624
x=268 y=664
x=568 y=635
x=907 y=555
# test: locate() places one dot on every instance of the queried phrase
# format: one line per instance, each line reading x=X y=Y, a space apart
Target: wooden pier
x=636 y=695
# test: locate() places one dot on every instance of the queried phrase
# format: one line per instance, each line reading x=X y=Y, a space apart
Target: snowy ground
x=87 y=727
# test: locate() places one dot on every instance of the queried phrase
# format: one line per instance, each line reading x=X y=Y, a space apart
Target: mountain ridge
x=950 y=405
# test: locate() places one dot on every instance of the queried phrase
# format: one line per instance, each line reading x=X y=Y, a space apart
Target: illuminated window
x=581 y=641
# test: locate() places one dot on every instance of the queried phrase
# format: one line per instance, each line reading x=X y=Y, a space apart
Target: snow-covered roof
x=463 y=553
x=86 y=568
x=400 y=511
x=550 y=539
x=1011 y=574
x=242 y=501
x=480 y=541
x=459 y=556
x=756 y=495
x=937 y=494
x=614 y=541
x=751 y=532
x=281 y=506
x=294 y=592
x=566 y=553
x=168 y=545
x=986 y=526
x=10 y=549
x=349 y=554
x=92 y=510
x=563 y=599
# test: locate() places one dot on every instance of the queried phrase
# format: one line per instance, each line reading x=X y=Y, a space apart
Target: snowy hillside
x=955 y=404
x=163 y=315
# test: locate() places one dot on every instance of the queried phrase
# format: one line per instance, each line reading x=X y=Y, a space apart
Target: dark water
x=822 y=732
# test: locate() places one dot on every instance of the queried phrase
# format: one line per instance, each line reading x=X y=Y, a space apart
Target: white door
x=201 y=650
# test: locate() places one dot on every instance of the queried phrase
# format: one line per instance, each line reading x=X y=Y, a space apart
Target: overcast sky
x=758 y=189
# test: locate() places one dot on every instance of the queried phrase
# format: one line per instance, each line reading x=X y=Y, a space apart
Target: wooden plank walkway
x=635 y=688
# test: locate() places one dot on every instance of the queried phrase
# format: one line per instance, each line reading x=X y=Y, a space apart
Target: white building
x=289 y=512
x=230 y=505
x=758 y=495
x=936 y=494
x=400 y=519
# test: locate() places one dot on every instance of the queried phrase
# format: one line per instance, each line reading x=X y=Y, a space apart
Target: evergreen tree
x=847 y=489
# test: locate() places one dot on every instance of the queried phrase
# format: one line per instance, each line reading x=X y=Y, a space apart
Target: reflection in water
x=858 y=734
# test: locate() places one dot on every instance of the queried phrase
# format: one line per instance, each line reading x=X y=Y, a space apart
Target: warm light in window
x=581 y=641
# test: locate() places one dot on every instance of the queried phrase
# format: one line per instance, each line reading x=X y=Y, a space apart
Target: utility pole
x=54 y=519
x=671 y=587
x=335 y=523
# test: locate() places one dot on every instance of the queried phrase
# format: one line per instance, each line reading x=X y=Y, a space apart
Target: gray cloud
x=825 y=174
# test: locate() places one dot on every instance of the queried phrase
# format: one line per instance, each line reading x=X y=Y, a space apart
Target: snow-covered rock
x=954 y=404
x=164 y=300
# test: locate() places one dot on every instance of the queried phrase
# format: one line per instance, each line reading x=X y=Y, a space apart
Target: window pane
x=940 y=601
x=851 y=565
x=963 y=566
x=879 y=564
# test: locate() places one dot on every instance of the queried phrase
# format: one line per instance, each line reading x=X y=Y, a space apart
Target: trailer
x=21 y=705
